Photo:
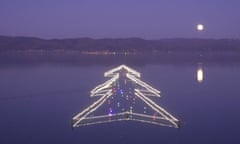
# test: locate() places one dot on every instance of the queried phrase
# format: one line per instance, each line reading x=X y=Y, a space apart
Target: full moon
x=200 y=27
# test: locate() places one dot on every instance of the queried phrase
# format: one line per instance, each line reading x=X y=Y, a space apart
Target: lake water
x=37 y=103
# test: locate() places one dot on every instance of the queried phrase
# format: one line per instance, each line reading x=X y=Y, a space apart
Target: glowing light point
x=200 y=27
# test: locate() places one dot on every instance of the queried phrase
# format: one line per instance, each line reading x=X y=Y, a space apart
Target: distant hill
x=118 y=46
x=88 y=51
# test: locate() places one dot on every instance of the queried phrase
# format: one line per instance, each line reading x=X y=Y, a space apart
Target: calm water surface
x=38 y=102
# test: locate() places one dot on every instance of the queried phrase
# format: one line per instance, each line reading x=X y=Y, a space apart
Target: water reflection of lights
x=124 y=97
x=200 y=75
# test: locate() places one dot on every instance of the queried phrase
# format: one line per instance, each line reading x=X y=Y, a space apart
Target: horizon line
x=121 y=38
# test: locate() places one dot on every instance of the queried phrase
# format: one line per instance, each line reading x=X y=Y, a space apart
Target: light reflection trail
x=200 y=75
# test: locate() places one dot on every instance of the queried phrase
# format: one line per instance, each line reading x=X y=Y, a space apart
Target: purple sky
x=149 y=19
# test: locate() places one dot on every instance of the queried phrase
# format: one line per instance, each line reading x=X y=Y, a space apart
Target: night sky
x=149 y=19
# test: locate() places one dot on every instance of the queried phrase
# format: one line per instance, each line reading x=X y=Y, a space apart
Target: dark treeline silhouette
x=131 y=45
x=132 y=51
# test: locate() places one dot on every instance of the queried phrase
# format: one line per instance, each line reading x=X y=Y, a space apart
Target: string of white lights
x=144 y=85
x=78 y=118
x=142 y=91
x=95 y=119
x=112 y=72
x=157 y=108
x=98 y=90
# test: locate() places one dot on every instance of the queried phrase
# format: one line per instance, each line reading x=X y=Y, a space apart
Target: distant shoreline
x=28 y=50
x=139 y=59
x=118 y=46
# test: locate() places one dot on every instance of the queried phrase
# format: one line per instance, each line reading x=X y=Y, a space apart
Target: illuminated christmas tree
x=124 y=97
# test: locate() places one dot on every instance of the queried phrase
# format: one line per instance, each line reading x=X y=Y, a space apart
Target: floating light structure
x=124 y=97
